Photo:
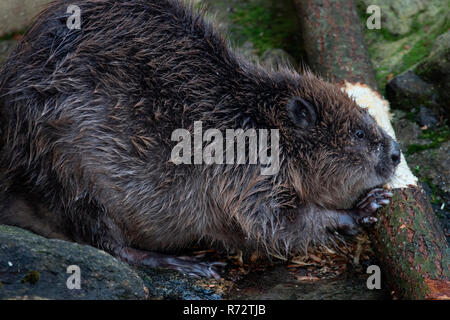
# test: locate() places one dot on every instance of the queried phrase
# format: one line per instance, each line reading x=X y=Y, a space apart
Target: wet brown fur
x=86 y=119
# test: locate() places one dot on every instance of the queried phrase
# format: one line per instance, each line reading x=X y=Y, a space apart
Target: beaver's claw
x=362 y=213
x=374 y=200
x=190 y=266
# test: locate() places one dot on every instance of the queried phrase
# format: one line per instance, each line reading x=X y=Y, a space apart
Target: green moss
x=10 y=36
x=420 y=50
x=31 y=277
x=415 y=148
x=417 y=170
x=412 y=115
x=390 y=59
x=374 y=33
x=436 y=192
x=382 y=33
x=440 y=135
x=436 y=136
x=267 y=24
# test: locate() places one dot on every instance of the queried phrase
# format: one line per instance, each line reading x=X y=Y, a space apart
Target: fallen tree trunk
x=334 y=42
x=408 y=240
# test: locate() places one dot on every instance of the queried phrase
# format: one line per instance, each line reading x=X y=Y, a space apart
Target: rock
x=407 y=8
x=16 y=15
x=427 y=84
x=172 y=285
x=407 y=91
x=33 y=267
x=408 y=28
x=439 y=59
x=248 y=51
x=276 y=58
x=407 y=132
x=426 y=117
x=6 y=47
x=433 y=164
x=396 y=16
x=435 y=69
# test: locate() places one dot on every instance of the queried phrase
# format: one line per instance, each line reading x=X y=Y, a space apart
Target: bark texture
x=412 y=247
x=334 y=41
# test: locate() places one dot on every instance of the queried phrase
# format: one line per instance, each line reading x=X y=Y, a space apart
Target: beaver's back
x=87 y=118
x=90 y=112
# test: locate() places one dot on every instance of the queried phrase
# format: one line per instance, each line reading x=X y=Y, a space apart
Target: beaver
x=86 y=122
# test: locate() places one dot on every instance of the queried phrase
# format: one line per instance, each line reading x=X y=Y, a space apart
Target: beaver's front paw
x=366 y=208
x=350 y=221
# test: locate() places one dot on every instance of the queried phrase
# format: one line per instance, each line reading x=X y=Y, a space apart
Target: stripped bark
x=408 y=239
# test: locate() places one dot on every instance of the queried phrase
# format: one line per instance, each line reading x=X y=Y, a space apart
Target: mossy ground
x=393 y=54
x=12 y=36
x=436 y=136
x=32 y=277
x=268 y=24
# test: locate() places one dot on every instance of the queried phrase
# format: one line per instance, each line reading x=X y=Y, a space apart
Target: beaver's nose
x=395 y=153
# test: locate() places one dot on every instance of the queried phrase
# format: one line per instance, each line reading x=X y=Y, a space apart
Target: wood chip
x=307 y=278
x=315 y=258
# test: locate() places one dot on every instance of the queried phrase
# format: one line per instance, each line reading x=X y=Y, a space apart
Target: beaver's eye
x=360 y=134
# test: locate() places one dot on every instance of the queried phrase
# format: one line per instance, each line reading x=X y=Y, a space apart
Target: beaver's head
x=335 y=150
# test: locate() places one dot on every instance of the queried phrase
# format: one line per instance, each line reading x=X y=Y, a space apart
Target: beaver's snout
x=395 y=155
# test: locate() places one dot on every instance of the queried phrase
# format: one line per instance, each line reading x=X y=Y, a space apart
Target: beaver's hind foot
x=190 y=266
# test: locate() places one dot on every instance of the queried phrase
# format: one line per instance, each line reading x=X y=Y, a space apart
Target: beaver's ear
x=302 y=113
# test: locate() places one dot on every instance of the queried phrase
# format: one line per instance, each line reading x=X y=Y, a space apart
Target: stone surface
x=6 y=47
x=431 y=166
x=438 y=62
x=36 y=268
x=435 y=162
x=426 y=117
x=408 y=29
x=33 y=267
x=398 y=16
x=248 y=51
x=433 y=169
x=407 y=132
x=16 y=15
x=435 y=69
x=172 y=285
x=276 y=58
x=407 y=91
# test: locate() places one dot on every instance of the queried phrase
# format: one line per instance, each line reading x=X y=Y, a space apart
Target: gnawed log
x=407 y=238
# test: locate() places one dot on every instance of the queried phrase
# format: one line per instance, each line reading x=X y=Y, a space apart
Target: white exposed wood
x=378 y=107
